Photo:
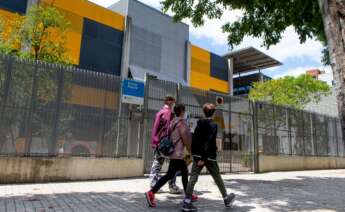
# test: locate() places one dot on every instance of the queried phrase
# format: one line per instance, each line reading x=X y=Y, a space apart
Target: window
x=16 y=6
x=101 y=48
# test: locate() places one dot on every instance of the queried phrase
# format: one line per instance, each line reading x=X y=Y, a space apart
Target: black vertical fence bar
x=29 y=124
x=326 y=135
x=256 y=136
x=100 y=149
x=275 y=137
x=5 y=95
x=289 y=129
x=336 y=136
x=303 y=136
x=7 y=82
x=230 y=124
x=315 y=137
x=52 y=146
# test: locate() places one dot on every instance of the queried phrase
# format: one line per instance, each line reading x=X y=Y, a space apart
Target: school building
x=131 y=39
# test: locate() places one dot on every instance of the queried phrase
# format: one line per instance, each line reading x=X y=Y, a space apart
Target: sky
x=296 y=57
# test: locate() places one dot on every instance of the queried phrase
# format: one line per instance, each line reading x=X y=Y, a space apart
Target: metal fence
x=283 y=130
x=234 y=118
x=49 y=110
x=54 y=110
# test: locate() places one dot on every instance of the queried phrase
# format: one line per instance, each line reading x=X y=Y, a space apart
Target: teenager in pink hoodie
x=181 y=138
x=160 y=129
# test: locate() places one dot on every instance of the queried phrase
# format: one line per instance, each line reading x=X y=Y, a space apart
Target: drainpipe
x=231 y=75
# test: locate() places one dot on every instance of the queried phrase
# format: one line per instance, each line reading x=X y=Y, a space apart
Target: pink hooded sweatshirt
x=161 y=125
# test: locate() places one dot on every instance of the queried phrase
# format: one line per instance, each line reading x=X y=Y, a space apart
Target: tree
x=40 y=35
x=323 y=20
x=295 y=92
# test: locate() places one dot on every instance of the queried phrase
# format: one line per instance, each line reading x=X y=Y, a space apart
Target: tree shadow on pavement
x=109 y=202
x=300 y=194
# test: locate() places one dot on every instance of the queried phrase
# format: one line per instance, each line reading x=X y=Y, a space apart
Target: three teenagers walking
x=202 y=147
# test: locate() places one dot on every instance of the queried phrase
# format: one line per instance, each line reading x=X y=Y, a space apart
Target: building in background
x=327 y=104
x=315 y=73
x=243 y=84
x=131 y=39
x=157 y=44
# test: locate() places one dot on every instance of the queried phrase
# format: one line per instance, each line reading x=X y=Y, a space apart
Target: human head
x=209 y=109
x=169 y=100
x=179 y=110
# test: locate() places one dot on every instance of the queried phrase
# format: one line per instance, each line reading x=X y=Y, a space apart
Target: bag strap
x=178 y=132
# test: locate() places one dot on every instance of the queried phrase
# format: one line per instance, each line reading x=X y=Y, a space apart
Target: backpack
x=166 y=146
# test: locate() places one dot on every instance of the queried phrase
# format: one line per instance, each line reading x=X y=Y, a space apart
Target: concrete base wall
x=30 y=169
x=268 y=163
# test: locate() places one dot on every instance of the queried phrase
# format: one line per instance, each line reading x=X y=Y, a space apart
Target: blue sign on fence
x=133 y=92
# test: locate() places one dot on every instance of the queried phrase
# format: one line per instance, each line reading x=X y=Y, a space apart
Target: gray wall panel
x=157 y=40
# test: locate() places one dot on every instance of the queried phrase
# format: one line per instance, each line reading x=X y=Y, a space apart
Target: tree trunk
x=333 y=14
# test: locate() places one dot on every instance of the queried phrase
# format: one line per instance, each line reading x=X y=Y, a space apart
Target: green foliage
x=266 y=19
x=40 y=35
x=45 y=30
x=296 y=92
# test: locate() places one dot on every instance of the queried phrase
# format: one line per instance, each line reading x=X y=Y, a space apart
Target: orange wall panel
x=90 y=10
x=200 y=73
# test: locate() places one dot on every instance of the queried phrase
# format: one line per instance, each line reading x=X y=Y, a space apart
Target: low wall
x=40 y=169
x=268 y=163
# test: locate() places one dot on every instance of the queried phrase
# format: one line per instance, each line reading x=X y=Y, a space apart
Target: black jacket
x=204 y=144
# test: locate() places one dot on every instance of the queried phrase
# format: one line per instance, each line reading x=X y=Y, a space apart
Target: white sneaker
x=175 y=190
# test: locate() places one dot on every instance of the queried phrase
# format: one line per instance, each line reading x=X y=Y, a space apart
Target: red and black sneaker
x=194 y=198
x=150 y=198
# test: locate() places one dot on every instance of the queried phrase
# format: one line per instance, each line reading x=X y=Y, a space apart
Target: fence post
x=327 y=136
x=289 y=129
x=336 y=135
x=7 y=83
x=31 y=110
x=145 y=127
x=53 y=143
x=256 y=135
x=303 y=137
x=3 y=105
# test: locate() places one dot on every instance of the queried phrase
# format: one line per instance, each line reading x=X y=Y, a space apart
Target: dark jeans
x=175 y=165
x=213 y=168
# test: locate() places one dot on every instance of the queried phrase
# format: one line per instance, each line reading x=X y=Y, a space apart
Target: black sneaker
x=188 y=207
x=229 y=200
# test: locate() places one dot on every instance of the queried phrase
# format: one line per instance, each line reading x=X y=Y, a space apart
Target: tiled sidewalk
x=283 y=191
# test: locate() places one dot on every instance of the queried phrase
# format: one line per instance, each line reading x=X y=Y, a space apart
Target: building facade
x=131 y=39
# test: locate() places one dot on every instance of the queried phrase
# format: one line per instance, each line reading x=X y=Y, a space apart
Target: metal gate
x=234 y=117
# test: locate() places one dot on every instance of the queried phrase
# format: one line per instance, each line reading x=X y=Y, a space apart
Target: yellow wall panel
x=6 y=13
x=74 y=35
x=90 y=10
x=200 y=73
x=92 y=97
x=200 y=53
x=219 y=85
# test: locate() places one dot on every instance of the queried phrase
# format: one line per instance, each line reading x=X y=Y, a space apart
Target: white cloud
x=289 y=46
x=212 y=29
x=327 y=76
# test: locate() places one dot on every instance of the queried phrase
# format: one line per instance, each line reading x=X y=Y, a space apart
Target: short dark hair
x=169 y=98
x=178 y=109
x=209 y=109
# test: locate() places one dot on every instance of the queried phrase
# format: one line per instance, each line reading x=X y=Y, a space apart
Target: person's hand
x=201 y=163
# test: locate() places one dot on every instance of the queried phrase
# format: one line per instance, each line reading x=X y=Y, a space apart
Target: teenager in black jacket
x=204 y=152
